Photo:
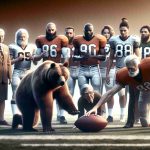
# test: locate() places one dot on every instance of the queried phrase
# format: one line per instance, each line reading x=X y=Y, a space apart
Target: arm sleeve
x=80 y=108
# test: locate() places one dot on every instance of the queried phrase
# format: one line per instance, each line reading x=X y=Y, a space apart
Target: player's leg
x=144 y=100
x=96 y=82
x=110 y=103
x=15 y=84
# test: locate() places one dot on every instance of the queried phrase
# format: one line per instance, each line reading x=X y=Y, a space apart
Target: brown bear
x=37 y=92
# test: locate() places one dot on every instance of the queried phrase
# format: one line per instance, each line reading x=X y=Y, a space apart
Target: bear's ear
x=66 y=64
x=52 y=65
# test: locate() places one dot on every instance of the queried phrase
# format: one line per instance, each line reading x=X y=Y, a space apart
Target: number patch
x=90 y=49
x=144 y=87
x=51 y=50
x=26 y=56
x=145 y=52
x=123 y=50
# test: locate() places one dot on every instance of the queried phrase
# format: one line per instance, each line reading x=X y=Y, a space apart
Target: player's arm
x=98 y=57
x=65 y=54
x=16 y=59
x=80 y=108
x=109 y=64
x=138 y=53
x=106 y=97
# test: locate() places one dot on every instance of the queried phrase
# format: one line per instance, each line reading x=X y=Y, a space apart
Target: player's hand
x=44 y=53
x=92 y=111
x=20 y=58
x=107 y=79
x=85 y=57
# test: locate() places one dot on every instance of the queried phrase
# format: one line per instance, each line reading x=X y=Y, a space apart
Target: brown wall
x=34 y=15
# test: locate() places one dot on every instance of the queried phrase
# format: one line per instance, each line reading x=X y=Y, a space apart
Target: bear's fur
x=37 y=91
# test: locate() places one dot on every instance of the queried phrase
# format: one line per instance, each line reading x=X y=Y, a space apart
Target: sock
x=14 y=107
x=110 y=112
x=122 y=111
x=62 y=112
x=58 y=109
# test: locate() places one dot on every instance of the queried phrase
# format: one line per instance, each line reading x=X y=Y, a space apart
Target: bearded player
x=136 y=75
x=53 y=47
x=89 y=50
x=121 y=46
x=22 y=54
x=73 y=65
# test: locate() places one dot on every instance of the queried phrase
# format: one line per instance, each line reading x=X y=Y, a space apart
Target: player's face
x=69 y=33
x=145 y=34
x=133 y=70
x=88 y=32
x=1 y=37
x=106 y=33
x=22 y=39
x=51 y=29
x=89 y=95
x=124 y=31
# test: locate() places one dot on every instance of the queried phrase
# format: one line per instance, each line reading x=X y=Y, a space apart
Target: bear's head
x=57 y=74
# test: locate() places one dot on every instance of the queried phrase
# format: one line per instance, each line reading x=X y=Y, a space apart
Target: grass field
x=65 y=137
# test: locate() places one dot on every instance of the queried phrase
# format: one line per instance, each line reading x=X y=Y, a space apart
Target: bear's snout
x=61 y=81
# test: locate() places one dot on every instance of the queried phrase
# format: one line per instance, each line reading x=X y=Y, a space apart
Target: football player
x=108 y=32
x=88 y=100
x=136 y=75
x=73 y=65
x=22 y=54
x=89 y=50
x=133 y=115
x=53 y=47
x=121 y=46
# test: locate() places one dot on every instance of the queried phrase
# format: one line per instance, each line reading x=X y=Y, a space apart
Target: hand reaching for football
x=92 y=111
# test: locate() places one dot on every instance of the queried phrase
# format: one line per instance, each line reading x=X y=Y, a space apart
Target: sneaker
x=144 y=122
x=110 y=119
x=4 y=122
x=17 y=120
x=122 y=118
x=63 y=120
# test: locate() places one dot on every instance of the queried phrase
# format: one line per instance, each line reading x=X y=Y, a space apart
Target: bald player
x=53 y=47
x=89 y=51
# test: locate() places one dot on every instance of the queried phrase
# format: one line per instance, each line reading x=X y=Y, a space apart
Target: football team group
x=118 y=63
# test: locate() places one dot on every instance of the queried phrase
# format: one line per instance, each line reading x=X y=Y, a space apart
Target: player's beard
x=88 y=37
x=22 y=43
x=135 y=73
x=50 y=36
x=145 y=38
x=70 y=40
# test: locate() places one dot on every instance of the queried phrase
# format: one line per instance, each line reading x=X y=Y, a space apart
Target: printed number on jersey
x=123 y=50
x=144 y=87
x=51 y=50
x=88 y=49
x=145 y=52
x=26 y=55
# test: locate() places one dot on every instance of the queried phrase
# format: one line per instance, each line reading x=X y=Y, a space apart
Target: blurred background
x=35 y=14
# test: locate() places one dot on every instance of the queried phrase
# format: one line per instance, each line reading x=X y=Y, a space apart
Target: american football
x=91 y=123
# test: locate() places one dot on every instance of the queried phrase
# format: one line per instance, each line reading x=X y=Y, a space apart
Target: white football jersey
x=123 y=48
x=16 y=51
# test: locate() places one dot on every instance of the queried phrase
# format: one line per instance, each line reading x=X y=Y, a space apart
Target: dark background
x=35 y=14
